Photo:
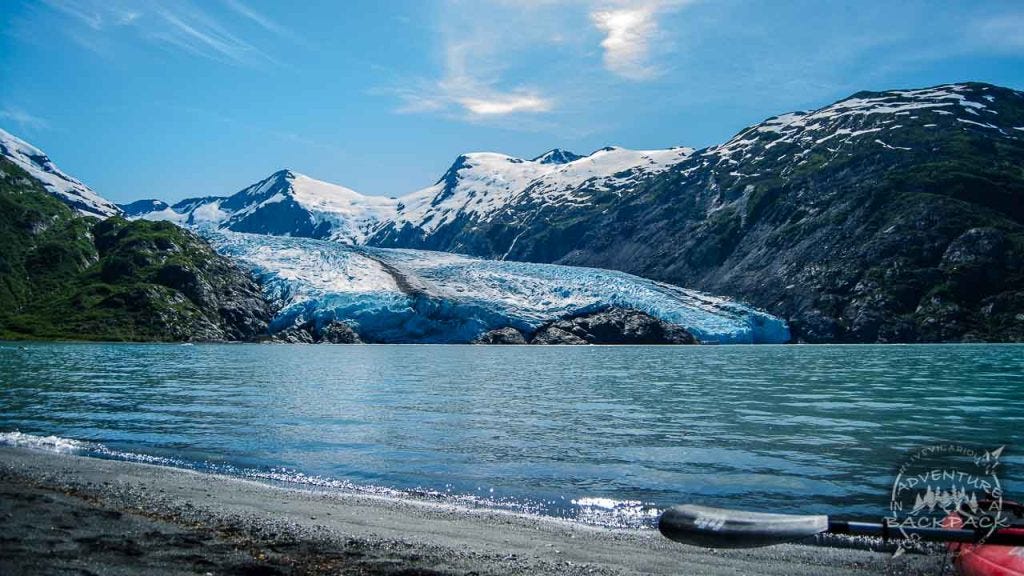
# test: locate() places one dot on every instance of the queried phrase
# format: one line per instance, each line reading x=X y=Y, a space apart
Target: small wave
x=70 y=446
x=48 y=443
x=594 y=511
x=615 y=513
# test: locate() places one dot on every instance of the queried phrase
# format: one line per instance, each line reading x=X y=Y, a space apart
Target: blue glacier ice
x=397 y=295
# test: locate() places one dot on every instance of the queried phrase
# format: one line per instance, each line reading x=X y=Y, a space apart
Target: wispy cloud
x=96 y=16
x=507 y=58
x=101 y=24
x=506 y=104
x=629 y=29
x=23 y=119
x=627 y=33
x=260 y=19
x=473 y=99
x=197 y=33
x=1001 y=33
x=478 y=44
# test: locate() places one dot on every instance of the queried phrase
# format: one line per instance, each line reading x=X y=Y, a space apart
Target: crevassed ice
x=399 y=295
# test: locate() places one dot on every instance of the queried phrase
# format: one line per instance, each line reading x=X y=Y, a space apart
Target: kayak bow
x=722 y=528
x=987 y=559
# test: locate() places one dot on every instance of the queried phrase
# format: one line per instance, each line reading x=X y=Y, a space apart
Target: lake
x=607 y=435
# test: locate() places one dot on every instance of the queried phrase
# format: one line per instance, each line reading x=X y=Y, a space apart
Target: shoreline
x=68 y=513
x=18 y=341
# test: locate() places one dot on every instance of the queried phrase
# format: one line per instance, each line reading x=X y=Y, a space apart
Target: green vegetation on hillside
x=65 y=276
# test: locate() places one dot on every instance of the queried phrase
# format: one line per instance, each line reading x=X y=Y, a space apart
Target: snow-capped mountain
x=482 y=186
x=557 y=156
x=893 y=216
x=898 y=127
x=887 y=121
x=140 y=207
x=476 y=188
x=286 y=203
x=394 y=295
x=69 y=190
x=886 y=216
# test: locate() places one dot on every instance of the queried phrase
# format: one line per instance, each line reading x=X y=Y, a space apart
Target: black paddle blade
x=721 y=528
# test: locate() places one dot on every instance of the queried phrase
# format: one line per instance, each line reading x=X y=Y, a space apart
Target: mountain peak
x=557 y=156
x=451 y=176
x=140 y=207
x=284 y=173
x=68 y=189
x=894 y=121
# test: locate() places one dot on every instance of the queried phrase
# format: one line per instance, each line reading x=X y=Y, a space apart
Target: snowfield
x=392 y=295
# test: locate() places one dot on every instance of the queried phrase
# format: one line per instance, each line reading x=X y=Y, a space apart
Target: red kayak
x=987 y=559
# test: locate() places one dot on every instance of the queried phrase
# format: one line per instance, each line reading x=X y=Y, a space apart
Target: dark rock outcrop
x=336 y=333
x=507 y=335
x=293 y=335
x=561 y=334
x=612 y=326
x=333 y=332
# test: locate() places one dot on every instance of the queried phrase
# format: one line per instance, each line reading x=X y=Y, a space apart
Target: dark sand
x=63 y=514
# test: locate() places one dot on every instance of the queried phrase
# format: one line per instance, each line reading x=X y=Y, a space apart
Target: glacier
x=419 y=296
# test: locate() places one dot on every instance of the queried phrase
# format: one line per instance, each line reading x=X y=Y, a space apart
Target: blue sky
x=170 y=99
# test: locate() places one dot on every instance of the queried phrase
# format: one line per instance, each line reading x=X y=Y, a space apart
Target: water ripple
x=558 y=430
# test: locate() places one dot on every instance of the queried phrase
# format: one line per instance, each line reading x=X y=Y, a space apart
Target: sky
x=179 y=98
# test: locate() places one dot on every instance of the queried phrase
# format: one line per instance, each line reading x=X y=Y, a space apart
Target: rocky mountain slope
x=891 y=217
x=888 y=216
x=66 y=276
x=69 y=190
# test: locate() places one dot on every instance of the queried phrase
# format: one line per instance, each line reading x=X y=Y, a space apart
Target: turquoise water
x=601 y=434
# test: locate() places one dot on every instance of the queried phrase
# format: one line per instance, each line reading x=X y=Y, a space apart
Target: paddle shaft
x=884 y=531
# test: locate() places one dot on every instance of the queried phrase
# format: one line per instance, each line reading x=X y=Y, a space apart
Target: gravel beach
x=65 y=514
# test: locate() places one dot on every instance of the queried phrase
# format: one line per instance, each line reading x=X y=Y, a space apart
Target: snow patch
x=887 y=146
x=981 y=124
